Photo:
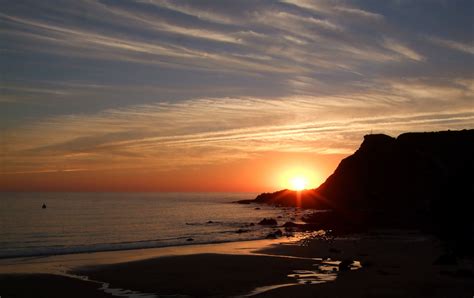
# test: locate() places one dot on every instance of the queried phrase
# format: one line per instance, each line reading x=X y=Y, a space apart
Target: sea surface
x=88 y=222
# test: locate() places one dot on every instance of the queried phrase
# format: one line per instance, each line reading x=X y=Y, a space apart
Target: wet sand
x=394 y=265
x=201 y=275
x=47 y=286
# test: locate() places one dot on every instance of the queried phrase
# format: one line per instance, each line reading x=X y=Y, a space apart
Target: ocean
x=89 y=222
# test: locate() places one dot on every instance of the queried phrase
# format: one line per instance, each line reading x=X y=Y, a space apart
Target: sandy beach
x=394 y=264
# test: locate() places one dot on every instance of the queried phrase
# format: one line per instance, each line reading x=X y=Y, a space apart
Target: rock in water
x=268 y=222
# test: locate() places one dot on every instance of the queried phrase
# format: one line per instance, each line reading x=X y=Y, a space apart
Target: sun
x=297 y=177
x=298 y=183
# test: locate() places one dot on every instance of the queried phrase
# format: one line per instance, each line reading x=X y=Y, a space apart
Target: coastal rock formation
x=268 y=222
x=421 y=180
x=408 y=171
x=306 y=199
x=274 y=235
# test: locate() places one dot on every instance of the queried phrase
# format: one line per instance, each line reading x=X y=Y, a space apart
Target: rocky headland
x=416 y=180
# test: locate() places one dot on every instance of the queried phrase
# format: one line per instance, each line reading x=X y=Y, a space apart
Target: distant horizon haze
x=265 y=174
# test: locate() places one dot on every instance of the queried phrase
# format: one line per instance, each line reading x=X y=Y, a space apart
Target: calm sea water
x=86 y=222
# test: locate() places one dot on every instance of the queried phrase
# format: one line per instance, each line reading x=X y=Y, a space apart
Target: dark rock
x=446 y=259
x=251 y=224
x=190 y=239
x=290 y=224
x=210 y=222
x=256 y=208
x=271 y=236
x=445 y=272
x=345 y=265
x=334 y=250
x=245 y=202
x=274 y=235
x=240 y=231
x=286 y=197
x=268 y=222
x=383 y=272
x=279 y=216
x=464 y=273
x=367 y=264
x=459 y=273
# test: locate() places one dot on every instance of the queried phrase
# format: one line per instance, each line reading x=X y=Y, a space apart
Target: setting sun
x=298 y=183
x=298 y=177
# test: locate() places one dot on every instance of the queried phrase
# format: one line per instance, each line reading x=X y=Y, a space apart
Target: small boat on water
x=44 y=206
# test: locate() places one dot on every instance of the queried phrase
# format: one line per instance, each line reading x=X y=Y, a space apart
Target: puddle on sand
x=117 y=292
x=263 y=289
x=325 y=271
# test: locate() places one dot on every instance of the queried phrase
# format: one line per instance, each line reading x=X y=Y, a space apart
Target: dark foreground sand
x=47 y=286
x=394 y=265
x=201 y=275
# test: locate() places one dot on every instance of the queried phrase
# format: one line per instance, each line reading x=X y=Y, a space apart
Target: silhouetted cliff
x=408 y=172
x=414 y=180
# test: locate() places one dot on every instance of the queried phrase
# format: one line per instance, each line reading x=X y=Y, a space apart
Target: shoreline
x=41 y=263
x=118 y=249
x=394 y=263
x=42 y=273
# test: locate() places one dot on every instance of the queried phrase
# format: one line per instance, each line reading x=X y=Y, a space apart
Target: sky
x=148 y=95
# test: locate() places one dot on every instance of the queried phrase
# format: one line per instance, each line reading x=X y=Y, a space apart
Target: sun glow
x=298 y=183
x=298 y=177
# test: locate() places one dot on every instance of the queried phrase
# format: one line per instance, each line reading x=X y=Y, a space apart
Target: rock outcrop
x=268 y=222
x=408 y=172
x=405 y=172
x=421 y=180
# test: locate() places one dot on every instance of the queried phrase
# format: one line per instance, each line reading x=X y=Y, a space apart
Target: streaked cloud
x=402 y=49
x=359 y=13
x=104 y=85
x=455 y=45
x=331 y=8
x=209 y=130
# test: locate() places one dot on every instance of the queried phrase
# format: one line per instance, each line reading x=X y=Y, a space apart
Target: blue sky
x=117 y=84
